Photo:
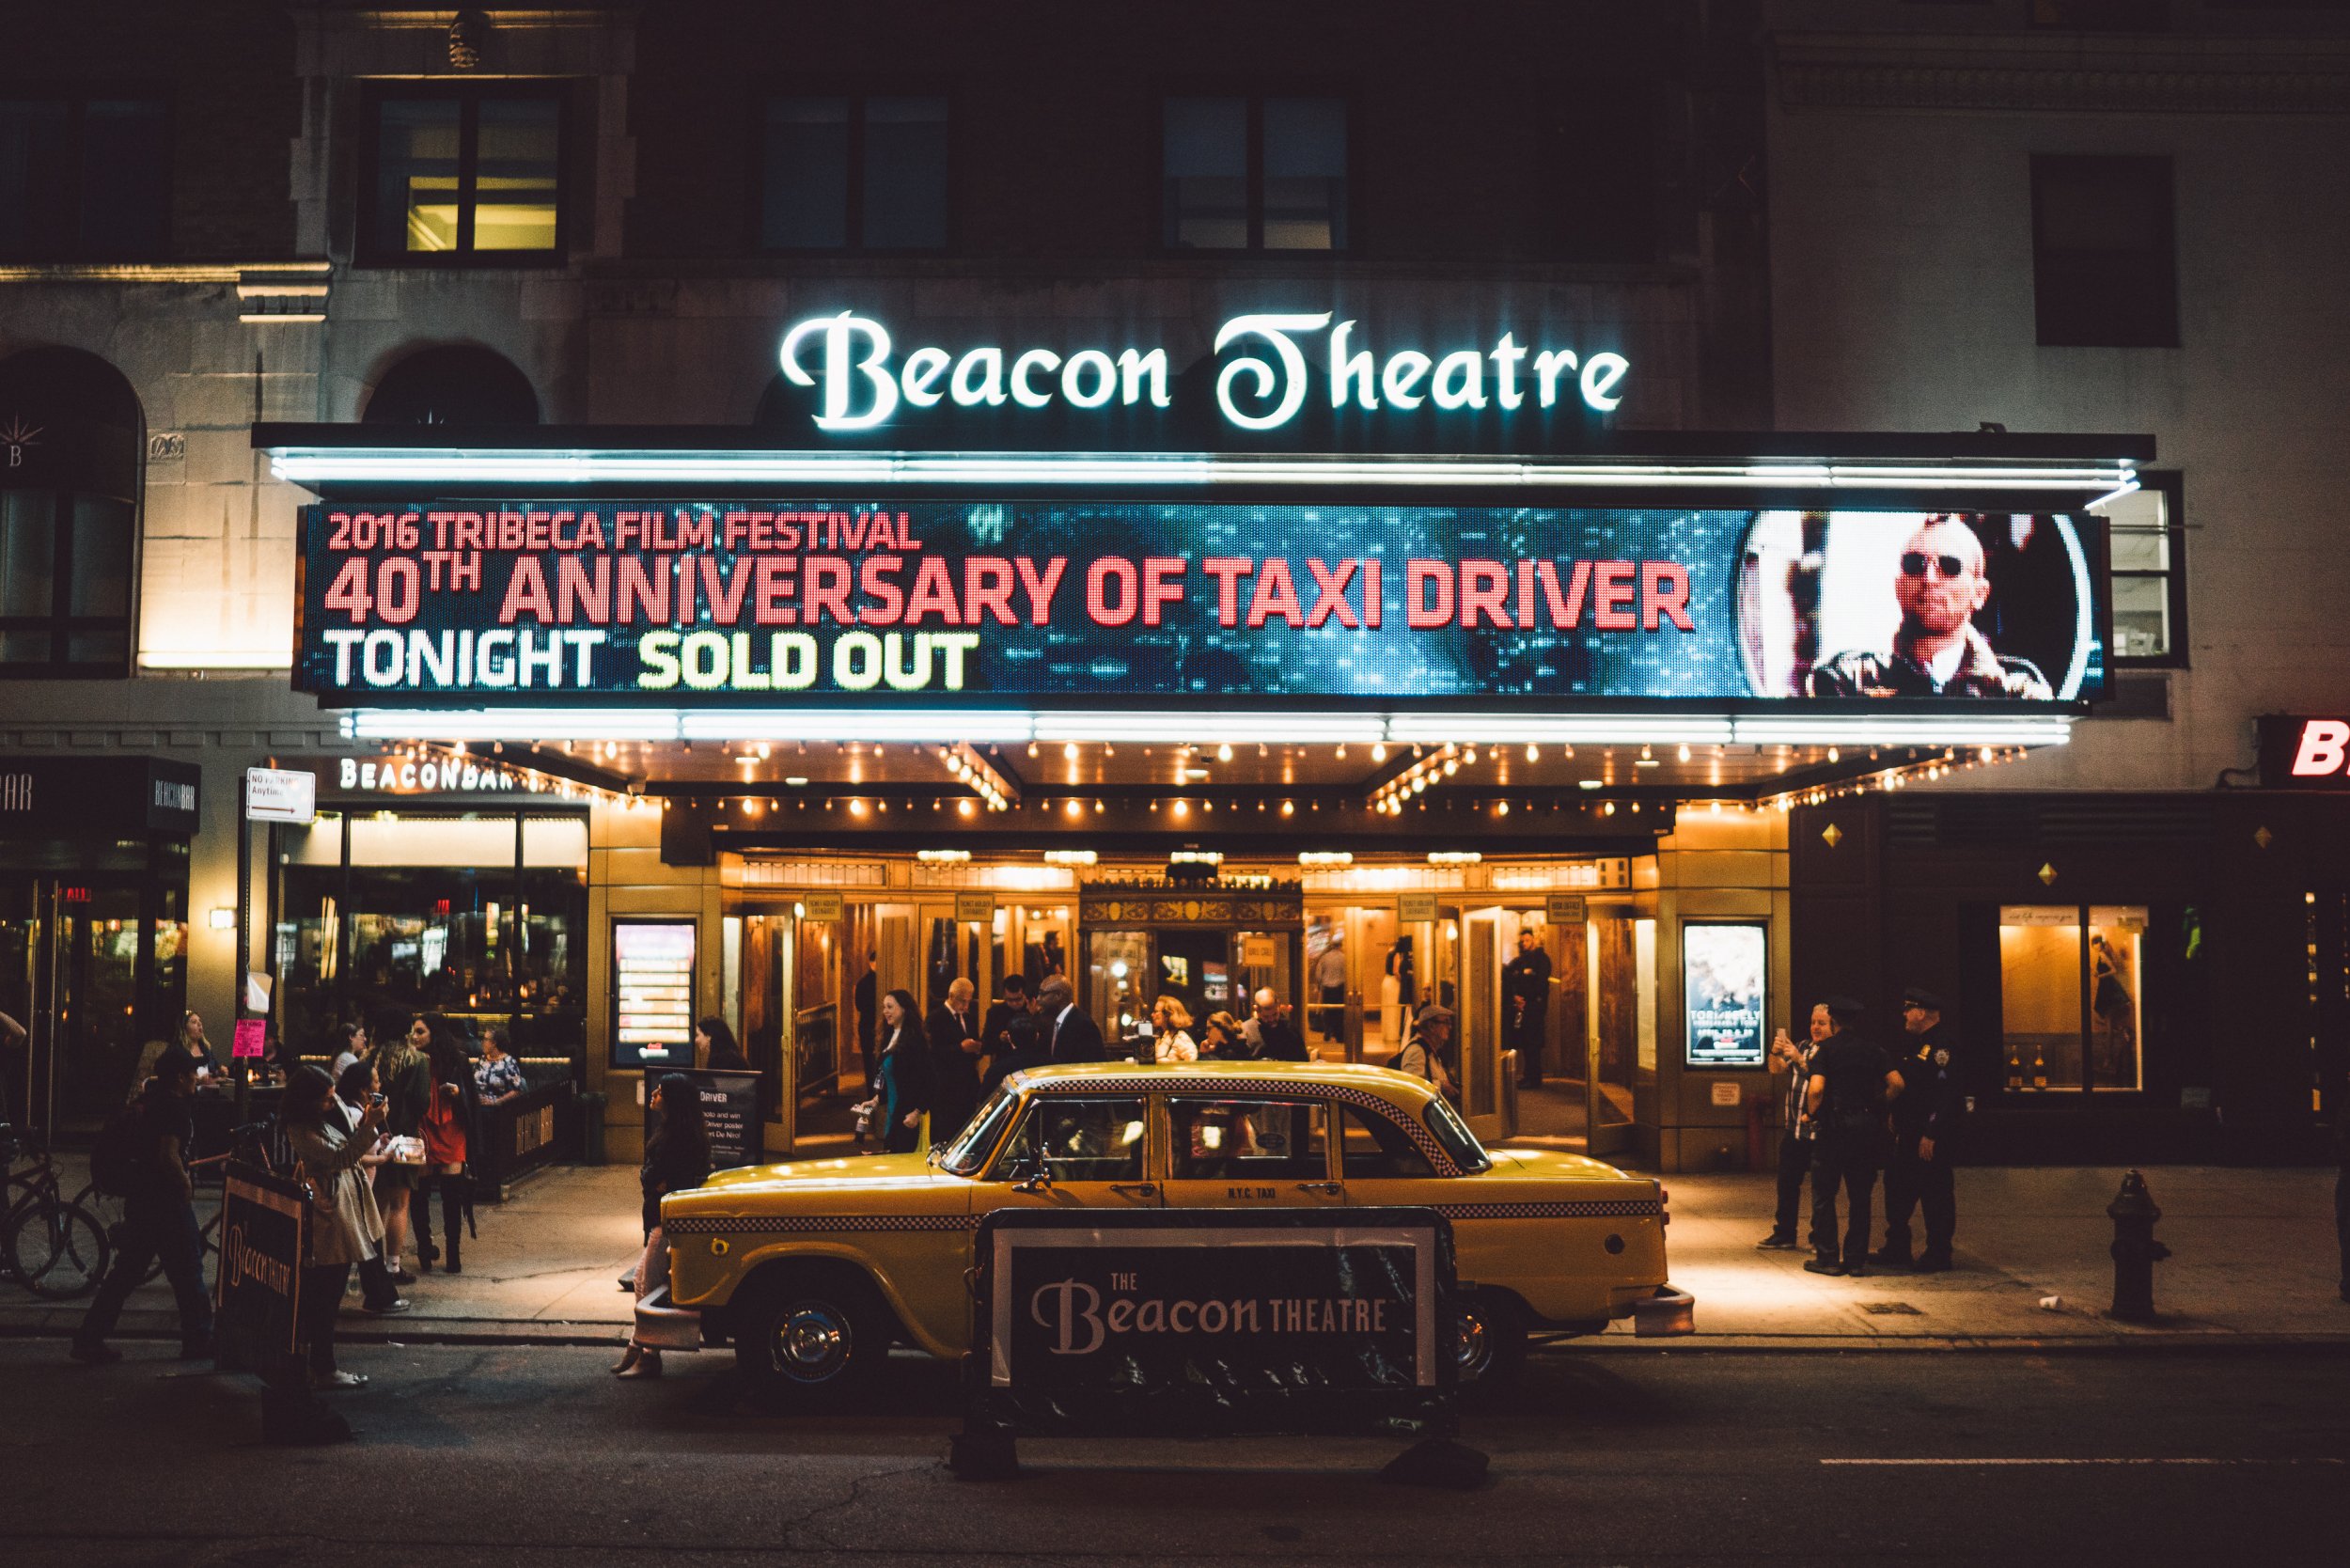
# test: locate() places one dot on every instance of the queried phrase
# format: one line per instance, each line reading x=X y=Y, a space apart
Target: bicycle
x=53 y=1247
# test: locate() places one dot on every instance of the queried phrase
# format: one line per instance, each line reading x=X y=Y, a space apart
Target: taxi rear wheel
x=1492 y=1336
x=813 y=1338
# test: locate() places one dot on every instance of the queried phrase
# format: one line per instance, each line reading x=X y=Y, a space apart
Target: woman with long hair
x=446 y=1129
x=405 y=1080
x=1220 y=1041
x=192 y=1040
x=345 y=1228
x=1171 y=1023
x=905 y=1072
x=677 y=1159
x=715 y=1044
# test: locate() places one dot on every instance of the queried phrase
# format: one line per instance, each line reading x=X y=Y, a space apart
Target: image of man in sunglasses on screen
x=1939 y=584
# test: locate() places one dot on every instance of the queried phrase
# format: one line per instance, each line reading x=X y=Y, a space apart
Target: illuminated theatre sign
x=1067 y=603
x=1271 y=367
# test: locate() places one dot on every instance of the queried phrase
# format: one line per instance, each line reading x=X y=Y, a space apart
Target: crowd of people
x=376 y=1136
x=944 y=1066
x=1854 y=1110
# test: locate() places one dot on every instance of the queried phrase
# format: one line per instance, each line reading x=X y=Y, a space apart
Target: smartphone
x=375 y=1099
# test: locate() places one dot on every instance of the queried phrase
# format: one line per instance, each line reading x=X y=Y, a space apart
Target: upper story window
x=2146 y=543
x=466 y=174
x=83 y=179
x=72 y=441
x=853 y=174
x=2104 y=272
x=1254 y=174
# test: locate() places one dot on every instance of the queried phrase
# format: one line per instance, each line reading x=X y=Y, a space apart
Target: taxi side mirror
x=1031 y=1175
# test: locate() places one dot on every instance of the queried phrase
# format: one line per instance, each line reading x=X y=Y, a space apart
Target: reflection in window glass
x=126 y=193
x=416 y=145
x=102 y=558
x=1305 y=174
x=28 y=552
x=1205 y=181
x=806 y=169
x=514 y=174
x=1266 y=1140
x=905 y=174
x=1079 y=1140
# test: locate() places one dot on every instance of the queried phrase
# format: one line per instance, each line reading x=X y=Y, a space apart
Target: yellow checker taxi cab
x=812 y=1269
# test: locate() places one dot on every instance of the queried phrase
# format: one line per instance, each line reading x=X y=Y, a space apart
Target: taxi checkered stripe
x=1607 y=1208
x=1283 y=1088
x=739 y=1224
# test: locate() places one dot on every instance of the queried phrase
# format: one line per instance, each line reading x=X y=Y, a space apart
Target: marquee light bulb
x=1224 y=753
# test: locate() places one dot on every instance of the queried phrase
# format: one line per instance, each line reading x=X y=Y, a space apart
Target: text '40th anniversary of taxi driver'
x=1940 y=583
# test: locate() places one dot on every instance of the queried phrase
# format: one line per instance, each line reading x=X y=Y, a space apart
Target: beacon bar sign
x=863 y=381
x=2298 y=752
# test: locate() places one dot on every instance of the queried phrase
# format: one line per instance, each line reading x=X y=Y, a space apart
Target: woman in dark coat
x=723 y=1055
x=677 y=1159
x=905 y=1073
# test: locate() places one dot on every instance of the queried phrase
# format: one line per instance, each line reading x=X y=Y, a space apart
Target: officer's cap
x=1918 y=996
x=1844 y=1010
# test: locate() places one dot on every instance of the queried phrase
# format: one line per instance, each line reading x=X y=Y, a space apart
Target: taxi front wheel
x=1491 y=1341
x=811 y=1338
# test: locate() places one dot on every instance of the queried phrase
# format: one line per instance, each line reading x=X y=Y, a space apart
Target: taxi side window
x=1078 y=1140
x=1249 y=1139
x=1372 y=1146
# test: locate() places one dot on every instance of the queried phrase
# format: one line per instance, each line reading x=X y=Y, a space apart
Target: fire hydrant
x=2134 y=1250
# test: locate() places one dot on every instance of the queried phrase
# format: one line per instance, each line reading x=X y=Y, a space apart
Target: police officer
x=1925 y=1122
x=1844 y=1107
x=1526 y=1004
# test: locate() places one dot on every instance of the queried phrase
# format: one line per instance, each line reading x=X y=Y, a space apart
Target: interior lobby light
x=224 y=918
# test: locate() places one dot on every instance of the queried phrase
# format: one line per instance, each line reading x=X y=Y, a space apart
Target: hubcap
x=1474 y=1346
x=812 y=1341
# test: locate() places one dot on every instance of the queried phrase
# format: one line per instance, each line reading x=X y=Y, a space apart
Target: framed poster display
x=652 y=993
x=1725 y=972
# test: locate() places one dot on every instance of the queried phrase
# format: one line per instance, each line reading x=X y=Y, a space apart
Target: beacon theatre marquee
x=984 y=525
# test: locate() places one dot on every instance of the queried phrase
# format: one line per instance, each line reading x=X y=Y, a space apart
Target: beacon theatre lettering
x=862 y=383
x=741 y=598
x=1081 y=1321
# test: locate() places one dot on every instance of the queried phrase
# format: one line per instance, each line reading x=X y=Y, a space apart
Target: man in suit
x=1526 y=1004
x=954 y=1031
x=1277 y=1039
x=1069 y=1034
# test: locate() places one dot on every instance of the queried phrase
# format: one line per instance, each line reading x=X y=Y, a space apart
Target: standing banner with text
x=1205 y=1320
x=806 y=601
x=257 y=1287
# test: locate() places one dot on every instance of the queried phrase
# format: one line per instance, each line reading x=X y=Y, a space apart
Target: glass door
x=1620 y=980
x=78 y=966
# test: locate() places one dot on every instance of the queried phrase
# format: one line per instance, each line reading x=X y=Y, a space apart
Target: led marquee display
x=1078 y=602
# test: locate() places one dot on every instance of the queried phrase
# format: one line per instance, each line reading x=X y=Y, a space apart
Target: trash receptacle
x=591 y=1129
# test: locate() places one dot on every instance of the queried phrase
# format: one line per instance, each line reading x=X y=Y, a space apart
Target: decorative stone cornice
x=2126 y=76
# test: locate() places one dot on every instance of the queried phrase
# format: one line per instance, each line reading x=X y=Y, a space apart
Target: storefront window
x=2070 y=997
x=479 y=918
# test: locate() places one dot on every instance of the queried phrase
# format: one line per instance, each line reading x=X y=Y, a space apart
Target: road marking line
x=1956 y=1462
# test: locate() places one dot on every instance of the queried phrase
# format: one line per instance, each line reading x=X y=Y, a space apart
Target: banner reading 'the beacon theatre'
x=1085 y=603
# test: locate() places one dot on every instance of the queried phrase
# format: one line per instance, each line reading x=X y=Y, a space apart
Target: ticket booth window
x=2070 y=997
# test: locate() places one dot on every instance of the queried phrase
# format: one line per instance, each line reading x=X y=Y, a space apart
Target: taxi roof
x=1386 y=1082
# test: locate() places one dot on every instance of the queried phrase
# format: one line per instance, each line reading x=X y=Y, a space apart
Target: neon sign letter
x=838 y=366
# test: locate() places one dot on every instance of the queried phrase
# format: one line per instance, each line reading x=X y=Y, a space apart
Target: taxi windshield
x=964 y=1156
x=1457 y=1139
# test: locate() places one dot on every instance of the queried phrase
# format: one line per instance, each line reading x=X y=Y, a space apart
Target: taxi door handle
x=1328 y=1188
x=1138 y=1189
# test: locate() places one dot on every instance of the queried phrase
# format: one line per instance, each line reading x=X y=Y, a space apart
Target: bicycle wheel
x=59 y=1252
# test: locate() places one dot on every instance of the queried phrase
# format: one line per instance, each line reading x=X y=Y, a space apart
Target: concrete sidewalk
x=2253 y=1264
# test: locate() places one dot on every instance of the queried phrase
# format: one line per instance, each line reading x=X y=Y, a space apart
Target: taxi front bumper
x=663 y=1326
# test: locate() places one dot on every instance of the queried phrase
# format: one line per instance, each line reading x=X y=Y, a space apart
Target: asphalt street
x=525 y=1456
